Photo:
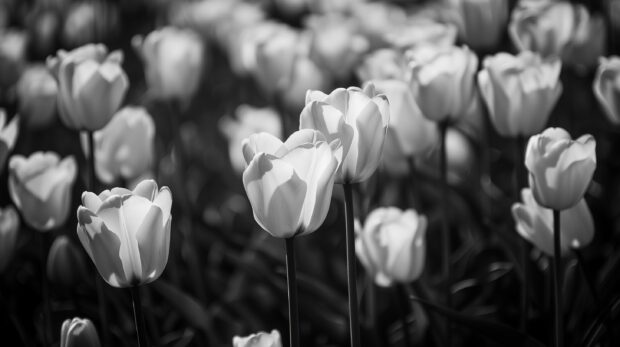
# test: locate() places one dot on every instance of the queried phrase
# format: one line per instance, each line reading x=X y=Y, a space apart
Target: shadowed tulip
x=482 y=23
x=261 y=339
x=37 y=91
x=78 y=332
x=607 y=87
x=9 y=226
x=65 y=264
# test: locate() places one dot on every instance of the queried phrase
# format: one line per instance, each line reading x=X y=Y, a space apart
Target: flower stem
x=47 y=309
x=291 y=280
x=445 y=228
x=354 y=326
x=92 y=180
x=403 y=298
x=557 y=280
x=518 y=180
x=137 y=315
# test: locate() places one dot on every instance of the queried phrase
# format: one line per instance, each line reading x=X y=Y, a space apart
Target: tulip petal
x=151 y=244
x=262 y=142
x=164 y=202
x=146 y=189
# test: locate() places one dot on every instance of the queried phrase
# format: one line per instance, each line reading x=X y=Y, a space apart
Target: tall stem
x=354 y=326
x=519 y=182
x=47 y=309
x=138 y=316
x=445 y=228
x=403 y=303
x=557 y=281
x=291 y=280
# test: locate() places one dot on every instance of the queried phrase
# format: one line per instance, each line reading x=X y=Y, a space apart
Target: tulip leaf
x=600 y=323
x=188 y=307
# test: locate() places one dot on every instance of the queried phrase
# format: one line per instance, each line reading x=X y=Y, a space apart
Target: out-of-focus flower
x=375 y=19
x=588 y=43
x=44 y=26
x=535 y=224
x=65 y=265
x=520 y=91
x=392 y=245
x=78 y=332
x=612 y=7
x=37 y=91
x=88 y=22
x=91 y=85
x=291 y=8
x=40 y=187
x=243 y=43
x=249 y=120
x=261 y=339
x=173 y=60
x=419 y=31
x=358 y=118
x=290 y=184
x=124 y=147
x=607 y=87
x=9 y=226
x=460 y=156
x=482 y=23
x=127 y=233
x=560 y=168
x=442 y=81
x=8 y=136
x=333 y=6
x=12 y=58
x=383 y=64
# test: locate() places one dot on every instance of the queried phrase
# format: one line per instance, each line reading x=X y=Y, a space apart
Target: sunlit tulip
x=8 y=136
x=79 y=332
x=392 y=246
x=482 y=23
x=127 y=233
x=535 y=224
x=520 y=91
x=9 y=226
x=358 y=118
x=607 y=87
x=91 y=85
x=173 y=60
x=261 y=339
x=289 y=184
x=383 y=64
x=65 y=265
x=560 y=168
x=40 y=186
x=37 y=91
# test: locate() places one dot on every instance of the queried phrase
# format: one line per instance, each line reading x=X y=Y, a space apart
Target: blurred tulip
x=333 y=6
x=127 y=233
x=419 y=31
x=587 y=44
x=607 y=87
x=383 y=64
x=242 y=45
x=358 y=118
x=391 y=246
x=91 y=85
x=289 y=184
x=291 y=8
x=535 y=224
x=375 y=19
x=40 y=186
x=8 y=136
x=560 y=168
x=261 y=339
x=37 y=91
x=78 y=332
x=519 y=91
x=65 y=265
x=482 y=23
x=44 y=26
x=12 y=59
x=89 y=22
x=9 y=227
x=249 y=120
x=612 y=7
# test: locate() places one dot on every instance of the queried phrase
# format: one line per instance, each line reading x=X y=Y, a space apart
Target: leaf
x=596 y=329
x=185 y=304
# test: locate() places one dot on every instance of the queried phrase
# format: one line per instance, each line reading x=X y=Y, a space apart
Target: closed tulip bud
x=275 y=58
x=91 y=85
x=65 y=265
x=443 y=81
x=78 y=332
x=560 y=168
x=482 y=23
x=607 y=87
x=289 y=184
x=358 y=118
x=261 y=339
x=391 y=246
x=9 y=226
x=37 y=91
x=8 y=136
x=41 y=186
x=535 y=224
x=383 y=64
x=127 y=233
x=520 y=91
x=173 y=60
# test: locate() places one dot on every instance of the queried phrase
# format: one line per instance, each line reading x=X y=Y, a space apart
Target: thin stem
x=92 y=180
x=403 y=299
x=291 y=281
x=47 y=308
x=557 y=281
x=138 y=316
x=445 y=228
x=518 y=180
x=354 y=326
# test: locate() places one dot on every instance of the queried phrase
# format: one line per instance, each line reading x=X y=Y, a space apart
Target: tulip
x=44 y=26
x=289 y=184
x=588 y=42
x=65 y=266
x=242 y=45
x=383 y=64
x=40 y=186
x=87 y=22
x=519 y=91
x=9 y=226
x=482 y=23
x=391 y=246
x=127 y=233
x=375 y=19
x=607 y=87
x=560 y=168
x=261 y=339
x=535 y=224
x=13 y=44
x=421 y=31
x=37 y=91
x=8 y=136
x=358 y=118
x=78 y=332
x=91 y=85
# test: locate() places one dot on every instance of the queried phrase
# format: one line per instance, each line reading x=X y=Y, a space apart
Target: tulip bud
x=261 y=339
x=91 y=85
x=78 y=332
x=383 y=64
x=88 y=22
x=535 y=224
x=560 y=168
x=127 y=233
x=9 y=226
x=520 y=91
x=607 y=87
x=290 y=184
x=41 y=186
x=391 y=246
x=65 y=265
x=37 y=91
x=358 y=118
x=8 y=136
x=482 y=23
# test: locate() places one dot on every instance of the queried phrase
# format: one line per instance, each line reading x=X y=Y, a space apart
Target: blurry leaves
x=191 y=310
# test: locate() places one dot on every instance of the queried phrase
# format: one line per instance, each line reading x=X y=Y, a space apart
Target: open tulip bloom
x=260 y=339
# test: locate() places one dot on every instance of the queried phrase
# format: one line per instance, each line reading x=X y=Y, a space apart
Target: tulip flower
x=383 y=64
x=86 y=22
x=358 y=118
x=127 y=233
x=535 y=224
x=8 y=136
x=419 y=31
x=560 y=168
x=607 y=87
x=482 y=23
x=520 y=91
x=13 y=46
x=289 y=184
x=91 y=85
x=37 y=91
x=391 y=246
x=78 y=332
x=243 y=42
x=261 y=339
x=375 y=19
x=65 y=265
x=9 y=226
x=40 y=186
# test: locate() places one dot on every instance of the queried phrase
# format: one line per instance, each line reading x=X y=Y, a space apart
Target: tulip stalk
x=557 y=281
x=445 y=228
x=291 y=281
x=354 y=327
x=138 y=316
x=47 y=308
x=518 y=180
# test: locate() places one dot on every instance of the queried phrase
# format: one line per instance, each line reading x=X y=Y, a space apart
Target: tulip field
x=310 y=173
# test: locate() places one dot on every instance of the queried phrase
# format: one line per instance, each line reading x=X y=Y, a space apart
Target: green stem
x=518 y=180
x=445 y=228
x=291 y=280
x=403 y=298
x=47 y=308
x=557 y=281
x=138 y=316
x=354 y=326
